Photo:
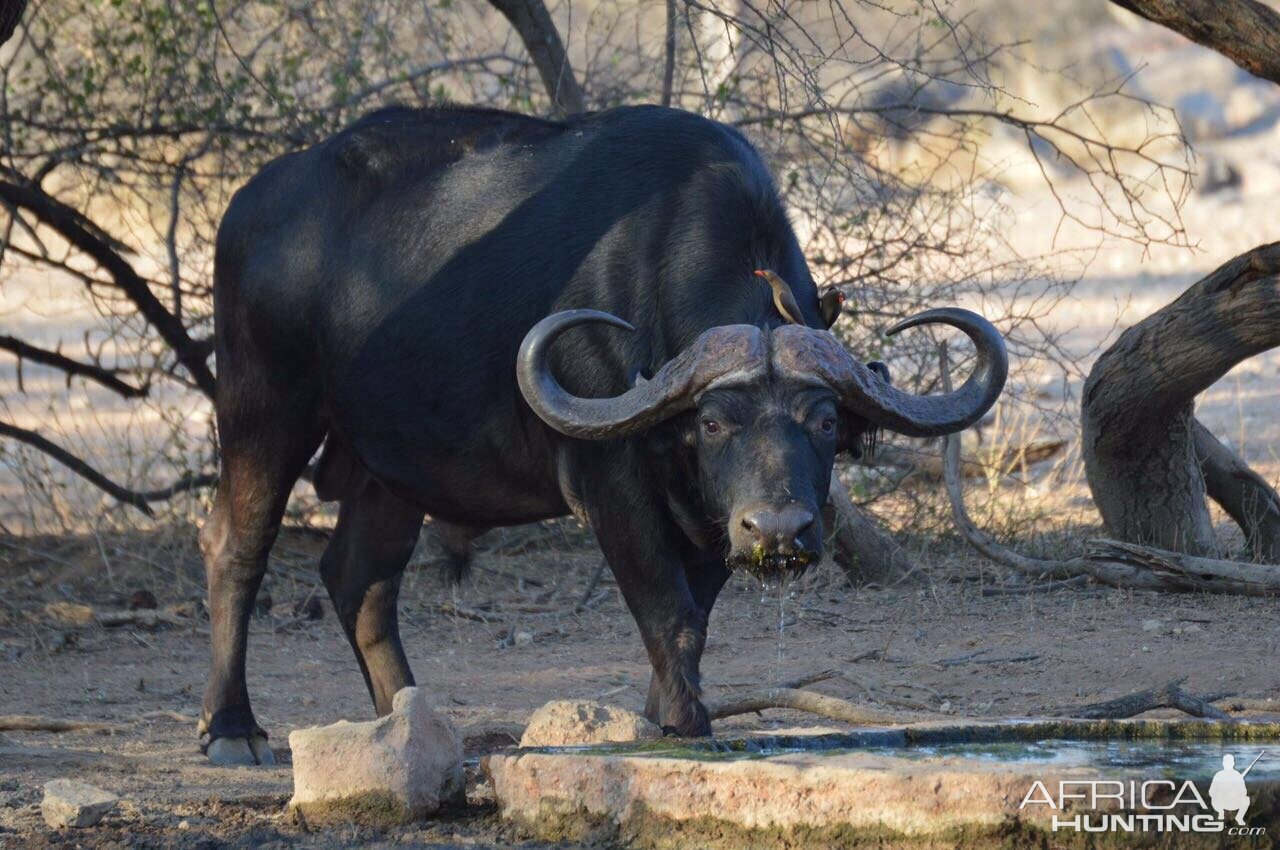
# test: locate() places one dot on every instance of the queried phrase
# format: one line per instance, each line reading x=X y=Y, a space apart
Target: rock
x=393 y=770
x=1152 y=625
x=568 y=723
x=523 y=638
x=71 y=803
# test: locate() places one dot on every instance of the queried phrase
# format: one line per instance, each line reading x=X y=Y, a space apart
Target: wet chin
x=772 y=566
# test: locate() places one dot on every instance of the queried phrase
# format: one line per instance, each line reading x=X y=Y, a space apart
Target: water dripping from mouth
x=782 y=621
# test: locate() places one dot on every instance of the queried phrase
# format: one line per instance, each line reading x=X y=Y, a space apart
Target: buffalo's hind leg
x=362 y=567
x=263 y=453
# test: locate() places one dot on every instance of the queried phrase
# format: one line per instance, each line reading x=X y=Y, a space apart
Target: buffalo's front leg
x=705 y=576
x=644 y=548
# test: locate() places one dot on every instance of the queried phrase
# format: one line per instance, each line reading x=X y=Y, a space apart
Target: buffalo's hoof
x=249 y=751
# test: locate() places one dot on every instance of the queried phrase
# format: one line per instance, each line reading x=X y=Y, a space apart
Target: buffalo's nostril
x=777 y=528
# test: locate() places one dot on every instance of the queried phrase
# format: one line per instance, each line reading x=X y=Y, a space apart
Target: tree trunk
x=1143 y=448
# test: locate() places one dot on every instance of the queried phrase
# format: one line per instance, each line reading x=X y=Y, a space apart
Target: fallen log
x=1170 y=695
x=927 y=466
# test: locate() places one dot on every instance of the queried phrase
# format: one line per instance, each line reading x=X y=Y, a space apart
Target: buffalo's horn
x=726 y=353
x=810 y=354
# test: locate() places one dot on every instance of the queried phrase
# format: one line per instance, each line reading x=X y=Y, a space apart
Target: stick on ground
x=40 y=723
x=807 y=701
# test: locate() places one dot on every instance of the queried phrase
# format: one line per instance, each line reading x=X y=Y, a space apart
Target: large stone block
x=396 y=769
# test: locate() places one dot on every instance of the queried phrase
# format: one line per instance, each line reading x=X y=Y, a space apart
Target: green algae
x=374 y=808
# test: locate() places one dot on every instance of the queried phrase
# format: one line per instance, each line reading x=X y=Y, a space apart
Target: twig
x=40 y=723
x=452 y=610
x=800 y=682
x=175 y=716
x=1001 y=659
x=1038 y=587
x=585 y=599
x=807 y=701
x=143 y=619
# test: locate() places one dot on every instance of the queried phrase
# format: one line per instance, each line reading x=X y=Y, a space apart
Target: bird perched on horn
x=782 y=297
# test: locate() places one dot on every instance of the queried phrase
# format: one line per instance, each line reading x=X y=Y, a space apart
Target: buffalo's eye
x=710 y=426
x=828 y=425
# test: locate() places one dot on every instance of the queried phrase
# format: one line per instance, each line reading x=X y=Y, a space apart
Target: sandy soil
x=1061 y=648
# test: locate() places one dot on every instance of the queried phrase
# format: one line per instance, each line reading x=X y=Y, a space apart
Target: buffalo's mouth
x=767 y=566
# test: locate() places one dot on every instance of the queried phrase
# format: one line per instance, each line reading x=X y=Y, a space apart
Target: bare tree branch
x=533 y=23
x=76 y=465
x=73 y=227
x=1244 y=31
x=98 y=374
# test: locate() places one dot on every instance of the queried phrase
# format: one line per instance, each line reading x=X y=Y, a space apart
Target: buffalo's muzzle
x=771 y=539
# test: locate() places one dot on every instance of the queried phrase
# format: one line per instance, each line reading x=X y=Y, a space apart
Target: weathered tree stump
x=1149 y=463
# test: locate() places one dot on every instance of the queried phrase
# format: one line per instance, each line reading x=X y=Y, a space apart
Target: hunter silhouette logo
x=1151 y=805
x=1227 y=791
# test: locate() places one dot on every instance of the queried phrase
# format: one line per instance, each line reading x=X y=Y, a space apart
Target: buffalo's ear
x=852 y=439
x=674 y=434
x=872 y=436
x=858 y=436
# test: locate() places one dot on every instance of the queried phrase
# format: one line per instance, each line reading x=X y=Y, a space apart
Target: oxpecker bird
x=782 y=297
x=830 y=303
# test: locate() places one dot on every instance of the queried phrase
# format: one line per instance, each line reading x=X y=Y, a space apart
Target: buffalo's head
x=767 y=412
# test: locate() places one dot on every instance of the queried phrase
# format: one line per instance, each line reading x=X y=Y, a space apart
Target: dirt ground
x=940 y=643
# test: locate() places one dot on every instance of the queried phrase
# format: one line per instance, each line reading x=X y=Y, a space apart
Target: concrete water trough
x=1031 y=783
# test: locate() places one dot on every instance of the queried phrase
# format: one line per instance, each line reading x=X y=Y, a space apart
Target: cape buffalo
x=495 y=319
